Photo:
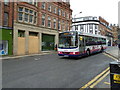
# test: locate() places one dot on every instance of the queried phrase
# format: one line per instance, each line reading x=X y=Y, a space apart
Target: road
x=52 y=71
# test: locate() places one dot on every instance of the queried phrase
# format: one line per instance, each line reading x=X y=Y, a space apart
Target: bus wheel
x=88 y=52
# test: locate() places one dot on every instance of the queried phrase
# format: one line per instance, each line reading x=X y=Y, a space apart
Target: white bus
x=76 y=43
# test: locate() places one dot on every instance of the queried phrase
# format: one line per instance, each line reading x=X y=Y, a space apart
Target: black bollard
x=115 y=75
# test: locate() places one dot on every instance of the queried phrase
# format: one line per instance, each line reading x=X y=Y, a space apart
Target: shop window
x=3 y=47
x=21 y=33
x=33 y=34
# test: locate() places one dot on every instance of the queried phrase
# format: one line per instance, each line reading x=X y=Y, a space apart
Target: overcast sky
x=108 y=9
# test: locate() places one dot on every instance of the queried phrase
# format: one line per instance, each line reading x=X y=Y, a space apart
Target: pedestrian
x=119 y=45
x=56 y=47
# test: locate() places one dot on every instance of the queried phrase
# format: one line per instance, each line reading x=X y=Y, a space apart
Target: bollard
x=115 y=75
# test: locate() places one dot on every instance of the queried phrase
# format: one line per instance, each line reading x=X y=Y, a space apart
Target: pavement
x=19 y=56
x=113 y=51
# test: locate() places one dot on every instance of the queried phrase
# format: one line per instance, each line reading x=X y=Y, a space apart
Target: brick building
x=36 y=25
x=6 y=28
x=106 y=30
x=115 y=33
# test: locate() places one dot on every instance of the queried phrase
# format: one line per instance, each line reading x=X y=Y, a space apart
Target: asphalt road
x=52 y=71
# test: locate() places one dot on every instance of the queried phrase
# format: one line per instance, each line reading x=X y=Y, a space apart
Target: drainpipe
x=12 y=25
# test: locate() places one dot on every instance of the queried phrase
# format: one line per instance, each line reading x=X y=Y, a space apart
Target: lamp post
x=118 y=44
x=76 y=14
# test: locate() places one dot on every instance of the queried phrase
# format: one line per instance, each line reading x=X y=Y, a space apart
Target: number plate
x=65 y=55
x=116 y=77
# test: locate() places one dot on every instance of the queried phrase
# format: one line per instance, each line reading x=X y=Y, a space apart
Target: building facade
x=36 y=25
x=106 y=30
x=86 y=24
x=93 y=25
x=115 y=32
x=6 y=28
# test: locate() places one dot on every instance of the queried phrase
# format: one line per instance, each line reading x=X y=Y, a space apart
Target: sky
x=108 y=9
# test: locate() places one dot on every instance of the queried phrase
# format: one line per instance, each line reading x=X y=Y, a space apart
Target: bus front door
x=81 y=44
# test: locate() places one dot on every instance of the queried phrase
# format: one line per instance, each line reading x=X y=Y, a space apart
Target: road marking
x=37 y=59
x=110 y=56
x=94 y=79
x=94 y=84
x=107 y=83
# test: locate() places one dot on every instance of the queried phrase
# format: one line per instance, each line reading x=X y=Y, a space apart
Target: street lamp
x=76 y=14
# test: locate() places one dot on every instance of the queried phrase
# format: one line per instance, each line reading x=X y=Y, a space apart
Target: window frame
x=6 y=19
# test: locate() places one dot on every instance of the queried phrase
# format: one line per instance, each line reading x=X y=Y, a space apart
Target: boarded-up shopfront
x=21 y=43
x=33 y=43
x=48 y=42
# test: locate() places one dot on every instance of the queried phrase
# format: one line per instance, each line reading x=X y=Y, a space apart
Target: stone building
x=93 y=25
x=36 y=25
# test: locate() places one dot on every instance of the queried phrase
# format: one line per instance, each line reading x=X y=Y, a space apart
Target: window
x=21 y=33
x=43 y=5
x=91 y=31
x=54 y=23
x=27 y=15
x=67 y=26
x=20 y=16
x=20 y=9
x=49 y=8
x=35 y=17
x=54 y=11
x=81 y=27
x=76 y=27
x=96 y=27
x=31 y=16
x=33 y=34
x=91 y=26
x=31 y=19
x=33 y=2
x=63 y=25
x=59 y=26
x=20 y=13
x=6 y=2
x=90 y=40
x=95 y=31
x=67 y=16
x=49 y=22
x=43 y=19
x=5 y=19
x=59 y=11
x=63 y=13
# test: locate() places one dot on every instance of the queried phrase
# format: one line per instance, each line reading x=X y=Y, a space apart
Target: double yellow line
x=96 y=80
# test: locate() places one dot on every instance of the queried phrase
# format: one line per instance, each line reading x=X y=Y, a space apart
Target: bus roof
x=87 y=34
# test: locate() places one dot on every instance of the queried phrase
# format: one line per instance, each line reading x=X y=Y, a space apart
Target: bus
x=76 y=44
